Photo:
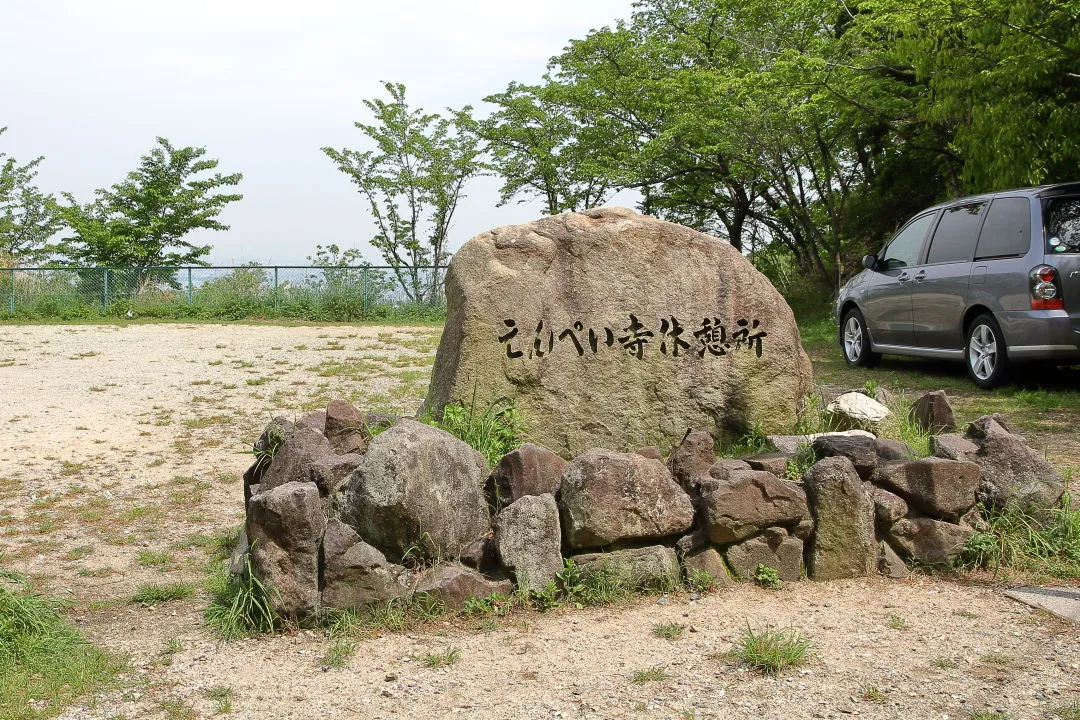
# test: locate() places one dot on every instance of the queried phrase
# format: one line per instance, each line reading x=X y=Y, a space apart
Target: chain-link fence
x=225 y=293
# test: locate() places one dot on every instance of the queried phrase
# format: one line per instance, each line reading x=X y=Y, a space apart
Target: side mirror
x=869 y=261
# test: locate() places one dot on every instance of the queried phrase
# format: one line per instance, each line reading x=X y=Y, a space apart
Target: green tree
x=28 y=217
x=412 y=182
x=541 y=152
x=141 y=222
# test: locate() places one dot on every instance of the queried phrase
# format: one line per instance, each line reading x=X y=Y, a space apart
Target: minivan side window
x=904 y=249
x=956 y=234
x=1007 y=230
x=1063 y=224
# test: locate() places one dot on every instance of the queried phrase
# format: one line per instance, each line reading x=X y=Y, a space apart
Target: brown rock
x=655 y=566
x=930 y=542
x=691 y=460
x=651 y=452
x=356 y=575
x=980 y=428
x=709 y=561
x=952 y=447
x=529 y=541
x=933 y=412
x=889 y=563
x=480 y=555
x=528 y=470
x=1013 y=472
x=345 y=428
x=894 y=450
x=749 y=501
x=620 y=275
x=888 y=508
x=454 y=584
x=942 y=488
x=315 y=420
x=774 y=462
x=861 y=451
x=293 y=461
x=608 y=496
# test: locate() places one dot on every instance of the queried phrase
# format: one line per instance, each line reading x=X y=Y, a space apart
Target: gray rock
x=238 y=559
x=861 y=451
x=843 y=544
x=927 y=541
x=790 y=443
x=285 y=525
x=608 y=496
x=939 y=487
x=888 y=508
x=691 y=460
x=692 y=542
x=803 y=530
x=1012 y=472
x=773 y=548
x=480 y=555
x=454 y=584
x=331 y=472
x=749 y=501
x=774 y=462
x=952 y=447
x=528 y=470
x=655 y=566
x=709 y=561
x=356 y=575
x=378 y=421
x=418 y=490
x=272 y=438
x=528 y=540
x=293 y=461
x=345 y=428
x=889 y=563
x=978 y=429
x=315 y=420
x=933 y=412
x=719 y=470
x=894 y=450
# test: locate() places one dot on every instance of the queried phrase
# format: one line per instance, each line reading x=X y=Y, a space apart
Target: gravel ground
x=121 y=462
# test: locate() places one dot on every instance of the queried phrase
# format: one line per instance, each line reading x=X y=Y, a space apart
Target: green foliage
x=804 y=459
x=142 y=221
x=668 y=630
x=445 y=658
x=571 y=582
x=493 y=431
x=1068 y=712
x=43 y=659
x=754 y=441
x=240 y=605
x=153 y=594
x=772 y=651
x=656 y=673
x=546 y=598
x=412 y=184
x=28 y=217
x=767 y=577
x=1047 y=542
x=700 y=581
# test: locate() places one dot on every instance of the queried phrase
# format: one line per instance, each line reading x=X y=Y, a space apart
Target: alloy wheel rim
x=853 y=339
x=982 y=352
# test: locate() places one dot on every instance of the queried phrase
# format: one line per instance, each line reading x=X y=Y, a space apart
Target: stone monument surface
x=613 y=329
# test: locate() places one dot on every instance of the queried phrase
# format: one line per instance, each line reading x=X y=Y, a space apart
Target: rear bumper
x=1042 y=335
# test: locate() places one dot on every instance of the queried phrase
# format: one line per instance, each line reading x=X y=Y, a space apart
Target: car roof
x=1038 y=191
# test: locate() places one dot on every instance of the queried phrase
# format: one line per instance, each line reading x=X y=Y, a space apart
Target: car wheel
x=855 y=341
x=986 y=354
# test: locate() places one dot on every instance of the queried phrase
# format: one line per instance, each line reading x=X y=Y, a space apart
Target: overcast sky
x=262 y=85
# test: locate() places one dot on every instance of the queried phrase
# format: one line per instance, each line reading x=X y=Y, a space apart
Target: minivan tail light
x=1045 y=289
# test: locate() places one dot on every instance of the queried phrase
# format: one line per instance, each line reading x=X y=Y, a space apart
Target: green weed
x=1045 y=543
x=656 y=673
x=222 y=697
x=669 y=630
x=767 y=577
x=772 y=651
x=240 y=605
x=493 y=431
x=151 y=594
x=445 y=658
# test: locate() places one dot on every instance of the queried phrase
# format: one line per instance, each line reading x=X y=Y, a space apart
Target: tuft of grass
x=447 y=657
x=44 y=663
x=240 y=605
x=1067 y=712
x=965 y=614
x=669 y=630
x=177 y=709
x=997 y=659
x=700 y=581
x=1047 y=542
x=772 y=651
x=945 y=663
x=989 y=715
x=222 y=696
x=493 y=431
x=656 y=673
x=152 y=558
x=870 y=693
x=153 y=594
x=897 y=623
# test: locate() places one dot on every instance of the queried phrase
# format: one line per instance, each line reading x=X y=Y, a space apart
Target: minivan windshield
x=1063 y=225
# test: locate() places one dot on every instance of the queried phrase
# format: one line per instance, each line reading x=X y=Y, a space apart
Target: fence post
x=11 y=277
x=189 y=286
x=105 y=290
x=276 y=300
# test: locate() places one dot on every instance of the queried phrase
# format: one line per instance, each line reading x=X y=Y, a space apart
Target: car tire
x=855 y=340
x=985 y=353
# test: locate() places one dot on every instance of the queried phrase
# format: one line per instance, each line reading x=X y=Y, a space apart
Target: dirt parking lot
x=120 y=463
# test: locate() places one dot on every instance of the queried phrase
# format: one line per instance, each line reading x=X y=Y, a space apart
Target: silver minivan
x=993 y=280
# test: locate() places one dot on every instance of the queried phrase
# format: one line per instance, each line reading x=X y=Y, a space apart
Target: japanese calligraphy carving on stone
x=613 y=329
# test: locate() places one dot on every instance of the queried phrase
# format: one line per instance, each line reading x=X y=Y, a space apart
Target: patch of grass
x=203 y=422
x=656 y=673
x=177 y=709
x=999 y=659
x=1067 y=712
x=152 y=594
x=945 y=663
x=669 y=630
x=897 y=623
x=870 y=693
x=447 y=657
x=965 y=614
x=222 y=697
x=44 y=663
x=79 y=552
x=772 y=651
x=1047 y=542
x=259 y=380
x=155 y=558
x=71 y=468
x=240 y=605
x=989 y=715
x=700 y=581
x=493 y=431
x=338 y=653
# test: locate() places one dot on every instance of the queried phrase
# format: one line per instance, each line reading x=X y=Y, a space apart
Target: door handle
x=903 y=277
x=920 y=276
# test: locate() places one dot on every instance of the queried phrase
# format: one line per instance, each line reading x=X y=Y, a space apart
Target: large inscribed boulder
x=613 y=329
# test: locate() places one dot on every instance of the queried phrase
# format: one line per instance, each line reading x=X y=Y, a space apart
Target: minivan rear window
x=1007 y=230
x=1063 y=225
